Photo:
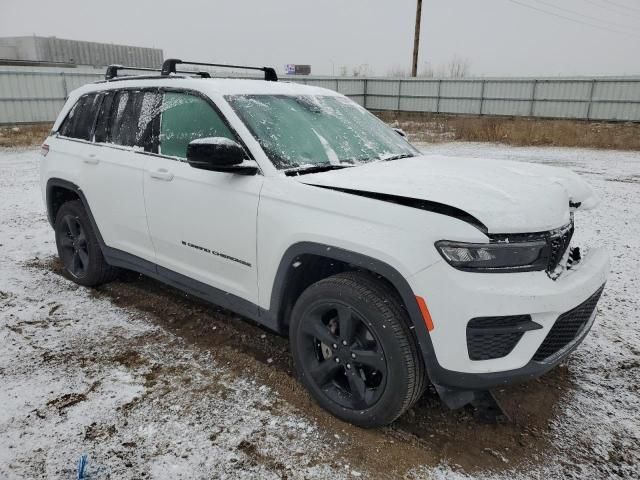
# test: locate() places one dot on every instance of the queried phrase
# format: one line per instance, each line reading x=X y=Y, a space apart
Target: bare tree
x=363 y=70
x=458 y=67
x=427 y=71
x=397 y=72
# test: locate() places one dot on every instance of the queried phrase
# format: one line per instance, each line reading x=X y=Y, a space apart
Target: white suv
x=295 y=207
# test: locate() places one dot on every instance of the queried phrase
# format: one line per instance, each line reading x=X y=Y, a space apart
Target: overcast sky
x=496 y=37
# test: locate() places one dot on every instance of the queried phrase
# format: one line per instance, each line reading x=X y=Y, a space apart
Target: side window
x=131 y=119
x=124 y=119
x=104 y=118
x=81 y=119
x=185 y=118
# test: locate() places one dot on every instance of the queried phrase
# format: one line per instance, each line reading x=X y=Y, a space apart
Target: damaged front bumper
x=455 y=297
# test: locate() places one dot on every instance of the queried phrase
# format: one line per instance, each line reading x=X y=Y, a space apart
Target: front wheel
x=353 y=349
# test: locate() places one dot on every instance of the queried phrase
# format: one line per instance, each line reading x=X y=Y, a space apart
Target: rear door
x=203 y=223
x=73 y=144
x=113 y=179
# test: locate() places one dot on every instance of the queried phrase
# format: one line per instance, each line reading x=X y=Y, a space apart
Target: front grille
x=568 y=327
x=496 y=337
x=558 y=242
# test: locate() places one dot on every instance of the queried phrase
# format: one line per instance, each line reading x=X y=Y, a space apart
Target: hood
x=504 y=196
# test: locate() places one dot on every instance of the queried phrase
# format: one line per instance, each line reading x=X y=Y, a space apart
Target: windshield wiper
x=397 y=157
x=303 y=170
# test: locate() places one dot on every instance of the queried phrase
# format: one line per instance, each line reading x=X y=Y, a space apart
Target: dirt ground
x=429 y=430
x=24 y=135
x=152 y=383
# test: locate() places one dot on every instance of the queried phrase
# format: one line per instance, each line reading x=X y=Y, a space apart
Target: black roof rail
x=112 y=71
x=169 y=67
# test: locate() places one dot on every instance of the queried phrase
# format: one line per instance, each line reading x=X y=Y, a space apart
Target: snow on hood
x=506 y=196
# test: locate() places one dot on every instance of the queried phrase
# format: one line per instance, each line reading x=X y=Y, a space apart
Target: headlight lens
x=495 y=257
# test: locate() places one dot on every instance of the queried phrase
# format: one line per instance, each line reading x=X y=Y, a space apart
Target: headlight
x=495 y=257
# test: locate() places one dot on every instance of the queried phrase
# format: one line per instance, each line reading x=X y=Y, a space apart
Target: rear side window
x=81 y=119
x=104 y=118
x=128 y=119
x=185 y=118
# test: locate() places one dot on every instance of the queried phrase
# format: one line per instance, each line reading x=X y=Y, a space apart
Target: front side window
x=296 y=131
x=185 y=118
x=80 y=120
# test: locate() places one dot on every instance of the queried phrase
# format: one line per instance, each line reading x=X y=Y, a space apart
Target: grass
x=24 y=135
x=516 y=131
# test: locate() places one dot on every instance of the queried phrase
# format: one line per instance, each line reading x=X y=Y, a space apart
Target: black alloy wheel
x=353 y=349
x=74 y=251
x=343 y=356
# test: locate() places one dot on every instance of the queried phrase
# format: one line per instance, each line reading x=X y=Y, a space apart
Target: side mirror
x=400 y=132
x=219 y=154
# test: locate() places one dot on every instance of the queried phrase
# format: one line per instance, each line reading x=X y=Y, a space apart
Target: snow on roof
x=221 y=86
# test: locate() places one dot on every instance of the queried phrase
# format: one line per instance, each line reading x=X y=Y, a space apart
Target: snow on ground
x=603 y=410
x=79 y=374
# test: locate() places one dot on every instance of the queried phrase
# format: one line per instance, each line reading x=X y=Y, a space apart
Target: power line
x=573 y=19
x=608 y=9
x=589 y=17
x=621 y=5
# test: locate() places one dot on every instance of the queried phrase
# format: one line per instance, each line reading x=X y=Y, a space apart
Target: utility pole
x=416 y=40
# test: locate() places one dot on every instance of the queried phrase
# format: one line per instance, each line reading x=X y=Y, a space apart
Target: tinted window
x=132 y=118
x=81 y=119
x=185 y=118
x=104 y=118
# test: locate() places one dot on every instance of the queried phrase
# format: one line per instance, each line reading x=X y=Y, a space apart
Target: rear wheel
x=353 y=349
x=78 y=247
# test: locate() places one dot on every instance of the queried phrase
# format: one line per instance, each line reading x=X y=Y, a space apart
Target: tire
x=353 y=350
x=78 y=247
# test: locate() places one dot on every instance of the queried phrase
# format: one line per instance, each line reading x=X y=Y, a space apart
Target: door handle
x=162 y=174
x=91 y=160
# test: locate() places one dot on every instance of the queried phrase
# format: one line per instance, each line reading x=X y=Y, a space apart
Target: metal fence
x=607 y=99
x=29 y=96
x=34 y=96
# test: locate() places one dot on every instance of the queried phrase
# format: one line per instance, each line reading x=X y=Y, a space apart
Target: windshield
x=313 y=130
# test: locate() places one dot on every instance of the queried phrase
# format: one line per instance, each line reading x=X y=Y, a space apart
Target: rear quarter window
x=81 y=118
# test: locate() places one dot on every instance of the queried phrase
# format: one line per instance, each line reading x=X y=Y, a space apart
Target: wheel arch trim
x=66 y=184
x=386 y=271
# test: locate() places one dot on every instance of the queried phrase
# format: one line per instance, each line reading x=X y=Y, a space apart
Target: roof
x=212 y=86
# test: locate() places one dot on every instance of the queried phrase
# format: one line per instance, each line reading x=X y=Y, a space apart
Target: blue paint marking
x=82 y=465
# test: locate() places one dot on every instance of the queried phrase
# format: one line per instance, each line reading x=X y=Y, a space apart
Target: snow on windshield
x=317 y=130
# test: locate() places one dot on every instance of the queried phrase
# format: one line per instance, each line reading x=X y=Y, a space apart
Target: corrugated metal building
x=75 y=52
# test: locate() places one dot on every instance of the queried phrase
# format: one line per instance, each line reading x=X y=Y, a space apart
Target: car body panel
x=203 y=224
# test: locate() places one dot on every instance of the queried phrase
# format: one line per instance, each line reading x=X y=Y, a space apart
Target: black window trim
x=156 y=128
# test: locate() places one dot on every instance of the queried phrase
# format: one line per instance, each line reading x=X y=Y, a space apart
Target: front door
x=202 y=223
